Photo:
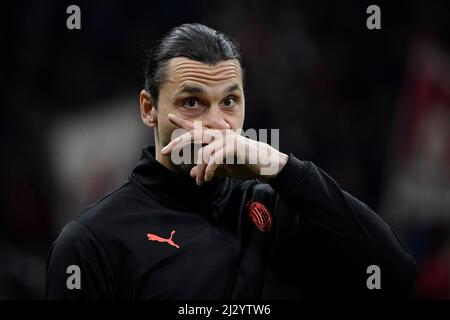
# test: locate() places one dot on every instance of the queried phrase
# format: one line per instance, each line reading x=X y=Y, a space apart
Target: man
x=218 y=229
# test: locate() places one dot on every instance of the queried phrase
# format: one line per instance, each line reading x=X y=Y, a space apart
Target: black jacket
x=299 y=236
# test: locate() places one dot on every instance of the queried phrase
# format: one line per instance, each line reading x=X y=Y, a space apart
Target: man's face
x=197 y=91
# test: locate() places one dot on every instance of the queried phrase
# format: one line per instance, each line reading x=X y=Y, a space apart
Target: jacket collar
x=177 y=190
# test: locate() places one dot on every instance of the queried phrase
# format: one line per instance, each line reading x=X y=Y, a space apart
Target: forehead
x=182 y=70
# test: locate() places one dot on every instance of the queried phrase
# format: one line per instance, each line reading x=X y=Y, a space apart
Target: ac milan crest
x=259 y=215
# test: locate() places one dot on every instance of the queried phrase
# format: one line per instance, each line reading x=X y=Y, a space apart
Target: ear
x=148 y=110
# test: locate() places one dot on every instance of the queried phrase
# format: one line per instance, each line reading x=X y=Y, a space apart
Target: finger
x=199 y=136
x=216 y=161
x=168 y=148
x=215 y=166
x=203 y=157
x=180 y=122
x=181 y=141
x=193 y=171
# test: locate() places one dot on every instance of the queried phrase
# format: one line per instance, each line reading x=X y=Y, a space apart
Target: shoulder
x=76 y=255
x=117 y=209
x=73 y=237
x=103 y=221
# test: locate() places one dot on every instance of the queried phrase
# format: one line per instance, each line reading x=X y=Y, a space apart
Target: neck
x=165 y=160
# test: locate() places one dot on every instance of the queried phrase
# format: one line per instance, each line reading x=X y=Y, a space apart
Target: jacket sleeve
x=77 y=267
x=340 y=237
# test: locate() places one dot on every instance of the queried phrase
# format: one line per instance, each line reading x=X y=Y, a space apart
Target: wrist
x=278 y=165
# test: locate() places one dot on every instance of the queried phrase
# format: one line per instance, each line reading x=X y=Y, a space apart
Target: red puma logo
x=154 y=237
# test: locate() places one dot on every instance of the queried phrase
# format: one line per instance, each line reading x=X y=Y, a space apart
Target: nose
x=215 y=120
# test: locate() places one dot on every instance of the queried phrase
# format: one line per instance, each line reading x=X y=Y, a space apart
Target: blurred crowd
x=370 y=107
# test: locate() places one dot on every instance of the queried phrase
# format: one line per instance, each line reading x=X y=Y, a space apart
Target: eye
x=191 y=103
x=229 y=102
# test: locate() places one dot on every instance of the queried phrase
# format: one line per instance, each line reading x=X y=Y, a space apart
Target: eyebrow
x=231 y=88
x=192 y=89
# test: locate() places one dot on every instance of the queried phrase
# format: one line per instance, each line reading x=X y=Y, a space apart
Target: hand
x=226 y=153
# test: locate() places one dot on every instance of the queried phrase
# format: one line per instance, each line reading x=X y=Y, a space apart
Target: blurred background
x=370 y=107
